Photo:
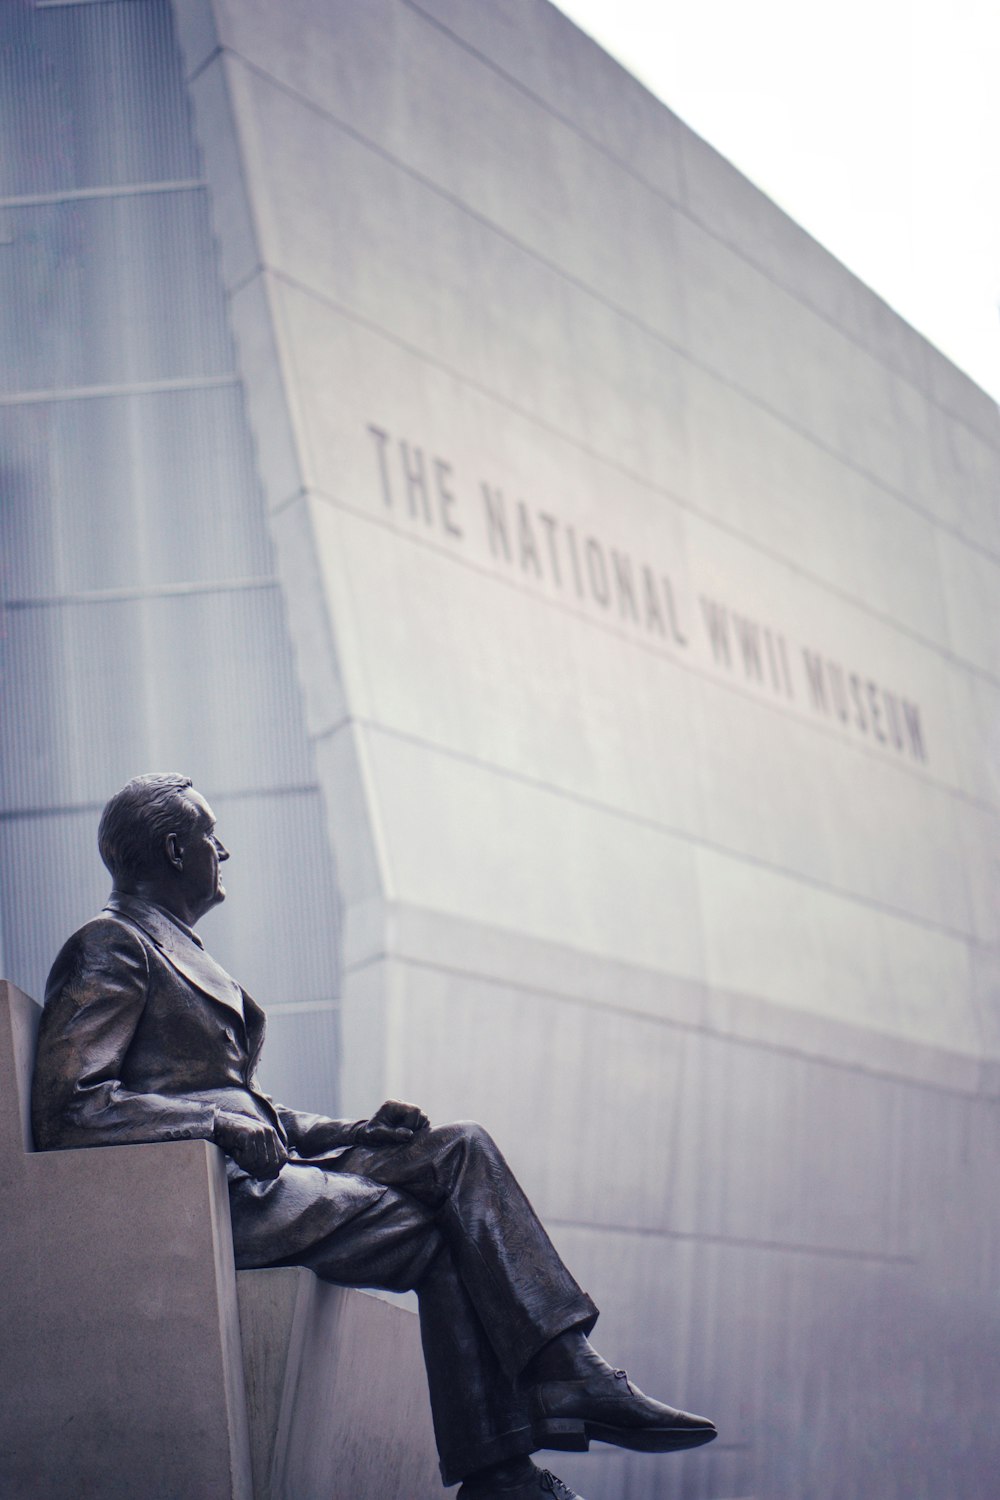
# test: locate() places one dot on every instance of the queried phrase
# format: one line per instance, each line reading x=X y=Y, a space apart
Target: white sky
x=873 y=123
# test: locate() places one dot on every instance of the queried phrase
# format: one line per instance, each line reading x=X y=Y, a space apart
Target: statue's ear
x=172 y=849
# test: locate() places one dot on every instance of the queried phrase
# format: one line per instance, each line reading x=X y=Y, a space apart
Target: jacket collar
x=180 y=947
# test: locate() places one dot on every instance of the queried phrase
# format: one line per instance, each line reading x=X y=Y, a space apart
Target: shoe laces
x=553 y=1485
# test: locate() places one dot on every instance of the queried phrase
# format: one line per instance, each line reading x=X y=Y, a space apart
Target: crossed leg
x=455 y=1225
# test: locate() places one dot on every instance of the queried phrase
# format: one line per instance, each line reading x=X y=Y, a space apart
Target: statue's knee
x=465 y=1136
x=453 y=1130
x=476 y=1137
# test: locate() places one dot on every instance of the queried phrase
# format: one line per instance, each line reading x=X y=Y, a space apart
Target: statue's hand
x=393 y=1122
x=253 y=1145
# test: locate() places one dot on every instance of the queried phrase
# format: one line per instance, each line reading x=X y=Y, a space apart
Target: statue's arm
x=94 y=1001
x=311 y=1135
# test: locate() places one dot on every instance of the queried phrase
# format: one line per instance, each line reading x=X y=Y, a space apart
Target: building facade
x=578 y=596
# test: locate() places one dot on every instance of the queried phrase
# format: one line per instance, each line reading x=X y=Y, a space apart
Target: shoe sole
x=650 y=1439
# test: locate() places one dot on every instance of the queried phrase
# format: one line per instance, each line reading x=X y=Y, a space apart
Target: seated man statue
x=145 y=1038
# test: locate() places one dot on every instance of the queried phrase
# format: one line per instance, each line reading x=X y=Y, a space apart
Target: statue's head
x=157 y=838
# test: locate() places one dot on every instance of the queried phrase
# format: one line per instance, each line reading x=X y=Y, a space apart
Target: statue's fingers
x=263 y=1152
x=388 y=1135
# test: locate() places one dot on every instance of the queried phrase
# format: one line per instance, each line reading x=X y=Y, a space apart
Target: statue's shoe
x=605 y=1407
x=533 y=1484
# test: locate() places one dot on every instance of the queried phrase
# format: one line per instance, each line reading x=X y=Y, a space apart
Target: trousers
x=454 y=1225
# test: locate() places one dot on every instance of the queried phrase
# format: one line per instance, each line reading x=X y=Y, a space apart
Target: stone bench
x=125 y=1372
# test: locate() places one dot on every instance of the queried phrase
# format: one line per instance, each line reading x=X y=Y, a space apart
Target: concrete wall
x=641 y=571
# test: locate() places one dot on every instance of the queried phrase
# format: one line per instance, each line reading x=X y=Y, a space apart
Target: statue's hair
x=138 y=818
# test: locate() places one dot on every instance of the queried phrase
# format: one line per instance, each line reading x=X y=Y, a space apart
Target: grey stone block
x=318 y=1359
x=123 y=1373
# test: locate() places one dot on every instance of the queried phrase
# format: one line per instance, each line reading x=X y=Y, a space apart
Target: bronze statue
x=145 y=1038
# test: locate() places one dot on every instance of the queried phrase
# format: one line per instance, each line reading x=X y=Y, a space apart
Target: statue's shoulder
x=108 y=940
x=108 y=927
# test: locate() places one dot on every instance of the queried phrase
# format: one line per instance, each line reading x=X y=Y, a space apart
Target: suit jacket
x=143 y=1038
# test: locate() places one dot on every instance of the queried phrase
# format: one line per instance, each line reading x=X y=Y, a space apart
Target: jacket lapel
x=180 y=951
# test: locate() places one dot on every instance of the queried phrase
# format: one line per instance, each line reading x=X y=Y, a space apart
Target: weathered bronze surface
x=145 y=1038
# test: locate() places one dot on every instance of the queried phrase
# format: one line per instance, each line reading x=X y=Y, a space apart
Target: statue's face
x=202 y=854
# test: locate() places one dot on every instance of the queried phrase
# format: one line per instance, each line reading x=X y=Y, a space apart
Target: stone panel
x=662 y=1099
x=502 y=859
x=781 y=1394
x=148 y=254
x=758 y=476
x=93 y=487
x=772 y=936
x=300 y=1064
x=215 y=720
x=518 y=690
x=376 y=74
x=38 y=912
x=324 y=1365
x=972 y=585
x=85 y=83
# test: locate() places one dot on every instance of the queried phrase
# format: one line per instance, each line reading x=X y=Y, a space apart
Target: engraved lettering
x=717 y=625
x=651 y=600
x=785 y=672
x=892 y=714
x=527 y=550
x=860 y=717
x=381 y=442
x=838 y=690
x=597 y=572
x=496 y=521
x=624 y=586
x=911 y=718
x=446 y=498
x=574 y=559
x=748 y=635
x=550 y=525
x=675 y=629
x=815 y=679
x=415 y=475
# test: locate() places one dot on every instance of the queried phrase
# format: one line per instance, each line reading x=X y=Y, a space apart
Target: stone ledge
x=336 y=1392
